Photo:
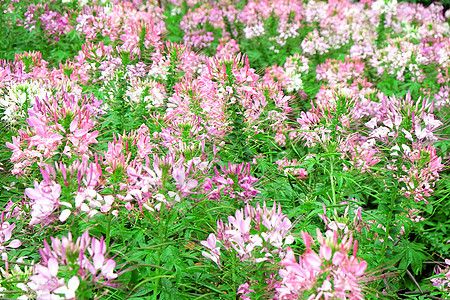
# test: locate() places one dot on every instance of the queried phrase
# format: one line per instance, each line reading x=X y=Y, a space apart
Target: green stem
x=333 y=191
x=234 y=276
x=389 y=222
x=108 y=230
x=162 y=233
x=157 y=277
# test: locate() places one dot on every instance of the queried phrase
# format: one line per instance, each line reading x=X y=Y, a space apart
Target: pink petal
x=8 y=232
x=306 y=240
x=179 y=175
x=73 y=125
x=105 y=208
x=325 y=252
x=289 y=259
x=98 y=259
x=108 y=269
x=32 y=193
x=361 y=268
x=337 y=258
x=313 y=259
x=192 y=183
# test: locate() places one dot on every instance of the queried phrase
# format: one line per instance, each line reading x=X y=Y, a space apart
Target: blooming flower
x=442 y=282
x=272 y=233
x=5 y=237
x=329 y=274
x=45 y=200
x=86 y=256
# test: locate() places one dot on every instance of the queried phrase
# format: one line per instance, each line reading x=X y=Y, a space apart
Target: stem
x=388 y=225
x=234 y=275
x=332 y=181
x=162 y=233
x=108 y=230
x=414 y=280
x=155 y=288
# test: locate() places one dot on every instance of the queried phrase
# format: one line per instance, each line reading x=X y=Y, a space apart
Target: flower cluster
x=53 y=23
x=291 y=167
x=233 y=181
x=253 y=234
x=66 y=123
x=67 y=263
x=442 y=278
x=121 y=22
x=290 y=75
x=412 y=158
x=329 y=274
x=138 y=131
x=343 y=224
x=19 y=97
x=333 y=71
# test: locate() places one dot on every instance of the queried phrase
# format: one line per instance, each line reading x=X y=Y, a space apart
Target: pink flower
x=69 y=289
x=46 y=281
x=5 y=237
x=45 y=200
x=211 y=244
x=179 y=174
x=271 y=233
x=318 y=273
x=86 y=256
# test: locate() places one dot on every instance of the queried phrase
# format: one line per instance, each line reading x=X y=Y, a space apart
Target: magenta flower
x=234 y=181
x=442 y=278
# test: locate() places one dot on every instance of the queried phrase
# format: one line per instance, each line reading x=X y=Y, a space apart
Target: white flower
x=18 y=98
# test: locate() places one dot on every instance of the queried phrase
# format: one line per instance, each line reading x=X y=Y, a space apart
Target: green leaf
x=410 y=254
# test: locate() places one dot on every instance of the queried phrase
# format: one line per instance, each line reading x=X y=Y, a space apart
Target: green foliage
x=158 y=251
x=55 y=51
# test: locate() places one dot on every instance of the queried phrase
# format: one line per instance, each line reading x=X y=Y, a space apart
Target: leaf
x=143 y=290
x=410 y=254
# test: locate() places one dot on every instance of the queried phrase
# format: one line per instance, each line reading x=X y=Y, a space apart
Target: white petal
x=53 y=266
x=66 y=204
x=64 y=215
x=74 y=282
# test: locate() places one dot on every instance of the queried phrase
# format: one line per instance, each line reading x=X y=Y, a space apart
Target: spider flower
x=253 y=234
x=329 y=273
x=66 y=263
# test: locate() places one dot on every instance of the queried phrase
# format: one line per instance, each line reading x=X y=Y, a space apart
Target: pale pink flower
x=57 y=263
x=45 y=200
x=211 y=244
x=5 y=239
x=272 y=233
x=331 y=272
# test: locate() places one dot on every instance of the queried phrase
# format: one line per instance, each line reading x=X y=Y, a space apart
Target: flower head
x=330 y=273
